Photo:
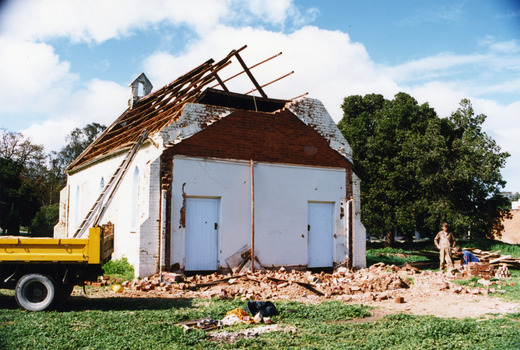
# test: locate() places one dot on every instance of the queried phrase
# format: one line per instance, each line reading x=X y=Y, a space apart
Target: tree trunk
x=389 y=238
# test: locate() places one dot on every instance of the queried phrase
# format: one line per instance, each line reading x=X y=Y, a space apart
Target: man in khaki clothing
x=444 y=241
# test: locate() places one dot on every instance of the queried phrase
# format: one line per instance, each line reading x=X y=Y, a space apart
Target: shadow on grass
x=82 y=303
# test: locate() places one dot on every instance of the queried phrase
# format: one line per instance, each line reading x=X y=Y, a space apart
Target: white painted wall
x=359 y=232
x=139 y=243
x=282 y=193
x=228 y=181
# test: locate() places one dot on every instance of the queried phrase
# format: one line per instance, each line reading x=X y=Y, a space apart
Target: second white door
x=320 y=233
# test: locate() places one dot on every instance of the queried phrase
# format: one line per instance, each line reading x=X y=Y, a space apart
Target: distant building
x=511 y=233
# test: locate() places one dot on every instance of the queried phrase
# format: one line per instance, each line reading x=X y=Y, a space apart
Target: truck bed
x=95 y=249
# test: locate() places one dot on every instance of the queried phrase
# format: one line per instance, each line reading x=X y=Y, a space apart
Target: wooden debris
x=502 y=272
x=494 y=258
x=303 y=284
x=206 y=324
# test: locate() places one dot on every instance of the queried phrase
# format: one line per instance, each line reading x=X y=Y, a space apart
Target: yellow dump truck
x=44 y=271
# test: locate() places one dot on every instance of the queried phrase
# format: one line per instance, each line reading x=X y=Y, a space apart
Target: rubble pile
x=502 y=271
x=278 y=284
x=483 y=286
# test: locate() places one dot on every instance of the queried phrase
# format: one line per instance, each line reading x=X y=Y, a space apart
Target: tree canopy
x=30 y=179
x=418 y=169
x=77 y=141
x=21 y=164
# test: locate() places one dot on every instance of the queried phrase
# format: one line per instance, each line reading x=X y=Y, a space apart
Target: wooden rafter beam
x=269 y=83
x=221 y=83
x=253 y=80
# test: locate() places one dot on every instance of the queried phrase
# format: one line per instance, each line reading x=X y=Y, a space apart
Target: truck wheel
x=35 y=292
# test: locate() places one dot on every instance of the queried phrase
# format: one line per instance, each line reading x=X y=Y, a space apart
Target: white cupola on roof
x=140 y=87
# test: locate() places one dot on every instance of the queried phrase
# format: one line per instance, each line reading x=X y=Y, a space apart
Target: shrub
x=119 y=268
x=43 y=223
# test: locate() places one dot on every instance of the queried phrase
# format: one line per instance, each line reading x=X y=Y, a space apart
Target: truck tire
x=35 y=292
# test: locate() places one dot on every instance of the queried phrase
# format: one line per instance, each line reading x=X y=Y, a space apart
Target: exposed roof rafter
x=163 y=107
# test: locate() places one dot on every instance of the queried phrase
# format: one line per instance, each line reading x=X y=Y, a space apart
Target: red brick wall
x=511 y=233
x=277 y=138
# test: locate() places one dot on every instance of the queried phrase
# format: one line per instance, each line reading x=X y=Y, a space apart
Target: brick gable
x=278 y=137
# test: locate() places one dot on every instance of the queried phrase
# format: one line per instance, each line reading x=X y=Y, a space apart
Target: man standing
x=444 y=241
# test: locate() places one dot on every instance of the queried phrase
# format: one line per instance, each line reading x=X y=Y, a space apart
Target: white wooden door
x=320 y=234
x=201 y=234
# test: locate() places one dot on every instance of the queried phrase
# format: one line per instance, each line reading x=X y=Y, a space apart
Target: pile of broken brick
x=375 y=283
x=277 y=284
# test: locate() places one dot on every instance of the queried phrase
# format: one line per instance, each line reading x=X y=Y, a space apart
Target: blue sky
x=67 y=63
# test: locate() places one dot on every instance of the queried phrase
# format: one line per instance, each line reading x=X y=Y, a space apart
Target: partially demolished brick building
x=192 y=173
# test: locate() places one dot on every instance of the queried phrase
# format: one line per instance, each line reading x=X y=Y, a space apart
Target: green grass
x=124 y=323
x=392 y=256
x=506 y=249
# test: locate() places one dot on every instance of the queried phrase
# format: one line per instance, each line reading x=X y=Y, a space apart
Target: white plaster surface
x=139 y=244
x=282 y=194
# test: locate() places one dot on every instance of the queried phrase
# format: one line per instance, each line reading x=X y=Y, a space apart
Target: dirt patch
x=389 y=289
x=438 y=296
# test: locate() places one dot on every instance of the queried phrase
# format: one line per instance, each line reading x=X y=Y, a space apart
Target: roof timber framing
x=162 y=107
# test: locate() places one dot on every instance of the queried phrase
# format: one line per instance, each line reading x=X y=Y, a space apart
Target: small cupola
x=139 y=88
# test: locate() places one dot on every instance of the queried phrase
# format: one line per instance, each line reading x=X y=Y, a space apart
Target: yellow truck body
x=95 y=249
x=43 y=271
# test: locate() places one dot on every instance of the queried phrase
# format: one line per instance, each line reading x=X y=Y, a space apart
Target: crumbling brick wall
x=278 y=137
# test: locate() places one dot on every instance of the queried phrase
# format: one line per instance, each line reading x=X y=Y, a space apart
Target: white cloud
x=434 y=66
x=275 y=11
x=32 y=76
x=101 y=20
x=327 y=64
x=77 y=20
x=510 y=46
x=503 y=124
x=100 y=102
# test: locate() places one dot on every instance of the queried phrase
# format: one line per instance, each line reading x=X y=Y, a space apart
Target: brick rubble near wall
x=313 y=113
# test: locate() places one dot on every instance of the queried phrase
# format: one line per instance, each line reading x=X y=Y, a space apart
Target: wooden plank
x=253 y=80
x=303 y=284
x=503 y=257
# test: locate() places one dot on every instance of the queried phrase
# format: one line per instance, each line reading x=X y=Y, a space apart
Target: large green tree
x=418 y=169
x=18 y=201
x=77 y=141
x=21 y=176
x=29 y=179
